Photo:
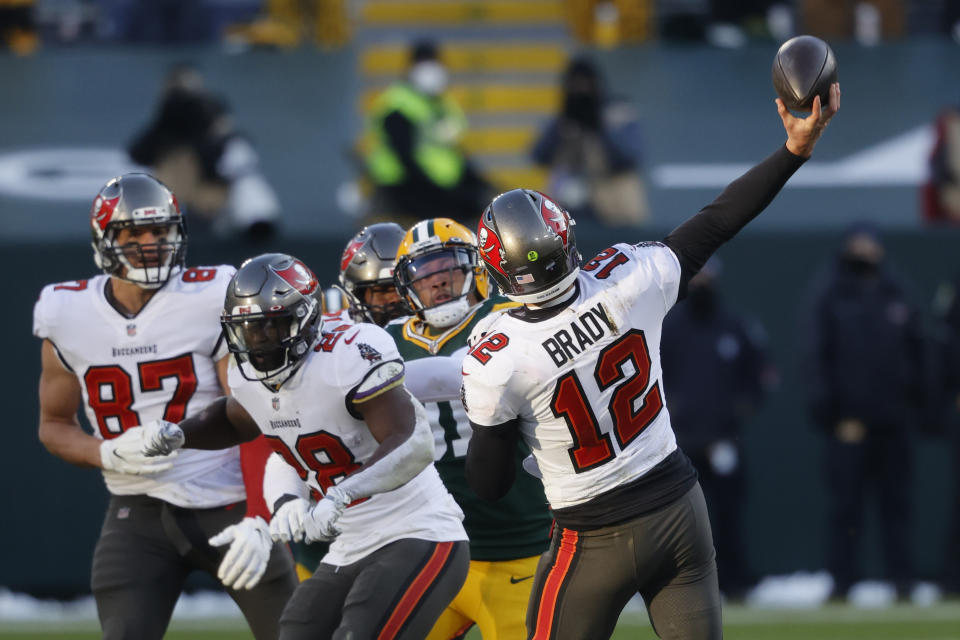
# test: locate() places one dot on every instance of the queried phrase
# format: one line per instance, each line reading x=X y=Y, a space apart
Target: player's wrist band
x=282 y=500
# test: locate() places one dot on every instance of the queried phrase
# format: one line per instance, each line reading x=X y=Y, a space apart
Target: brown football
x=804 y=67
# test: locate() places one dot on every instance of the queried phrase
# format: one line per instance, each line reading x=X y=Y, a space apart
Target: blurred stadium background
x=79 y=81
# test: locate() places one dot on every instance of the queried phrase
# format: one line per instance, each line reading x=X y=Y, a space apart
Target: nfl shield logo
x=131 y=330
x=276 y=404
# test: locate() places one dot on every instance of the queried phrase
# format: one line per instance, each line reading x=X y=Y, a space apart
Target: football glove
x=248 y=555
x=161 y=438
x=126 y=454
x=287 y=523
x=320 y=523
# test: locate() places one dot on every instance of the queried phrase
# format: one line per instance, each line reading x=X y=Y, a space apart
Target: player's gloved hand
x=248 y=555
x=125 y=454
x=161 y=438
x=321 y=522
x=287 y=523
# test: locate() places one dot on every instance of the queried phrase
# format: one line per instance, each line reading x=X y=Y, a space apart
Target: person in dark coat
x=866 y=383
x=718 y=371
x=947 y=312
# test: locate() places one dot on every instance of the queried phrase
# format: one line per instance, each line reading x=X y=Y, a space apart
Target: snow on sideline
x=202 y=605
x=801 y=591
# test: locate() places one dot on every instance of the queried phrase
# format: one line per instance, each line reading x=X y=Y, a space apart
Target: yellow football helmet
x=429 y=258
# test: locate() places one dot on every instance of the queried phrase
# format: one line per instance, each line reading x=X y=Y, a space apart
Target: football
x=804 y=67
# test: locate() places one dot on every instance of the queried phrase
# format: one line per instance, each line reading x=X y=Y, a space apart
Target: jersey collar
x=418 y=332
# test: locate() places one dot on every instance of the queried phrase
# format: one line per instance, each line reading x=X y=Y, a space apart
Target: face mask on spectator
x=429 y=77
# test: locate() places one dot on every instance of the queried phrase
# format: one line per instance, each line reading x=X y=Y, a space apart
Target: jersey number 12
x=591 y=448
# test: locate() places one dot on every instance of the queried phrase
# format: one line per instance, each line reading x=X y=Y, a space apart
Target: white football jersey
x=585 y=383
x=159 y=364
x=311 y=422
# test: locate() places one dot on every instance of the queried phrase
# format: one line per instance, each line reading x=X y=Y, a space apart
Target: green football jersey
x=518 y=524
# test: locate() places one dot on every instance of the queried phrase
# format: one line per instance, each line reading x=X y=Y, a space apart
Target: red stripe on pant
x=408 y=603
x=547 y=606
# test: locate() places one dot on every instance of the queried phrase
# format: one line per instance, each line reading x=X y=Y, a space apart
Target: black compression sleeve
x=695 y=240
x=490 y=466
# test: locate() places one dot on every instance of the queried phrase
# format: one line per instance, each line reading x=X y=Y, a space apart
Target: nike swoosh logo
x=516 y=580
x=351 y=338
x=463 y=373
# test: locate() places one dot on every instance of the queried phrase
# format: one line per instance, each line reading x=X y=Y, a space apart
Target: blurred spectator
x=947 y=310
x=594 y=152
x=284 y=24
x=951 y=19
x=941 y=191
x=866 y=383
x=733 y=23
x=413 y=149
x=164 y=21
x=192 y=145
x=727 y=24
x=18 y=30
x=717 y=374
x=868 y=21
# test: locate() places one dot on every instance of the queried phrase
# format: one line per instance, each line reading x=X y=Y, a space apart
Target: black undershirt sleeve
x=490 y=466
x=695 y=240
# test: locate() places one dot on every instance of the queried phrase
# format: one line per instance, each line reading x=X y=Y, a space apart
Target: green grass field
x=835 y=622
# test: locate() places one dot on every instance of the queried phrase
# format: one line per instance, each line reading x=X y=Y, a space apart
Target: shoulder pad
x=52 y=297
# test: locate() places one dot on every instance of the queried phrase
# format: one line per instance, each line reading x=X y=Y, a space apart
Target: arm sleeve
x=400 y=132
x=695 y=240
x=400 y=465
x=490 y=466
x=279 y=480
x=435 y=379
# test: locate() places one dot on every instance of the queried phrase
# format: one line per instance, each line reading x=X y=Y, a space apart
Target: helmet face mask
x=271 y=317
x=366 y=274
x=376 y=304
x=527 y=244
x=126 y=208
x=438 y=268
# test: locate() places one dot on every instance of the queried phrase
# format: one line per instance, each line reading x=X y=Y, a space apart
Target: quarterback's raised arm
x=695 y=240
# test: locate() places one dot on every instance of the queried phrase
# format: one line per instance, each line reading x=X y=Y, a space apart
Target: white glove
x=161 y=438
x=248 y=555
x=320 y=523
x=287 y=524
x=125 y=454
